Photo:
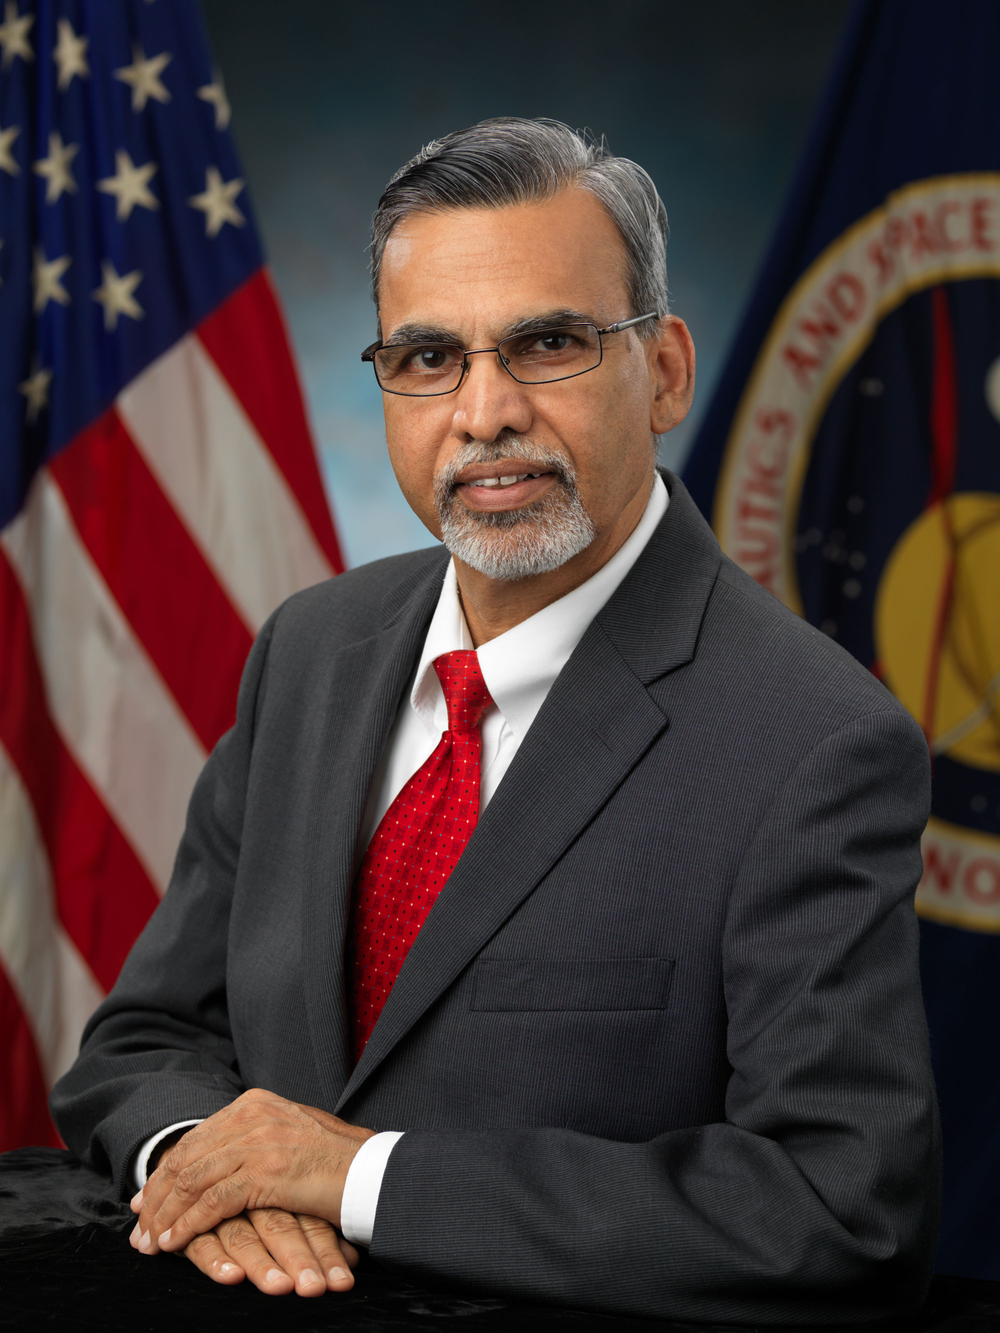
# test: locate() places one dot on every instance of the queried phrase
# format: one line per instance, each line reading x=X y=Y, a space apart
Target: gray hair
x=509 y=160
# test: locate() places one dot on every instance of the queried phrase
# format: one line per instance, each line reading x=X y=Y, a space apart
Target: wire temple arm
x=627 y=323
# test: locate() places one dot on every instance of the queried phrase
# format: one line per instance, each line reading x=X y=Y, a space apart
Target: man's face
x=474 y=276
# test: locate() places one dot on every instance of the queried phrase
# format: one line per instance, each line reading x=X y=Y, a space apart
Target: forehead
x=483 y=269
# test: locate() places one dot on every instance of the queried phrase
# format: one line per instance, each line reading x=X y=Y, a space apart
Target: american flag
x=159 y=491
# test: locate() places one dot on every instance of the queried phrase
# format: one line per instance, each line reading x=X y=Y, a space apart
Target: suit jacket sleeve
x=816 y=1199
x=159 y=1049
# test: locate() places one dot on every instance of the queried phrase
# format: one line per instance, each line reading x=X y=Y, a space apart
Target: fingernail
x=136 y=1233
x=337 y=1275
x=227 y=1269
x=136 y=1203
x=308 y=1278
x=144 y=1241
x=273 y=1275
x=165 y=1238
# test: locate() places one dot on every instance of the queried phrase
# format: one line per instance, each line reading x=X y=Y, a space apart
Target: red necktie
x=415 y=848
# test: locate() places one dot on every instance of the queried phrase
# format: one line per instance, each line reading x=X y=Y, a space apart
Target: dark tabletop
x=65 y=1262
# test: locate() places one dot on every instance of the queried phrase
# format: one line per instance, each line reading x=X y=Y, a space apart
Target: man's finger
x=186 y=1153
x=194 y=1208
x=210 y=1255
x=240 y=1237
x=283 y=1235
x=336 y=1257
x=160 y=1209
x=157 y=1154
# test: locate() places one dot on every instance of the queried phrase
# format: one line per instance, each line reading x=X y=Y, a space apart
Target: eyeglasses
x=543 y=356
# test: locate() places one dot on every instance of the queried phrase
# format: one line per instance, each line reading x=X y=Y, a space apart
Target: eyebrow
x=429 y=333
x=421 y=333
x=549 y=320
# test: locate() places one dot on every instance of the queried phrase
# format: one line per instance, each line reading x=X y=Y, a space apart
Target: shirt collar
x=520 y=666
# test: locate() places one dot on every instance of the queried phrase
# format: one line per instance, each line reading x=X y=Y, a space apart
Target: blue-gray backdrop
x=330 y=98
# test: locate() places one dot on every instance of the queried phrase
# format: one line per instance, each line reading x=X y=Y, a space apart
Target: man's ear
x=670 y=358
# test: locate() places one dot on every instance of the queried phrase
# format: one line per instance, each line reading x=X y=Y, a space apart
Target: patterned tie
x=415 y=848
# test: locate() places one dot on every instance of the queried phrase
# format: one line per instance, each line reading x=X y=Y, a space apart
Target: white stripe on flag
x=56 y=989
x=108 y=701
x=222 y=480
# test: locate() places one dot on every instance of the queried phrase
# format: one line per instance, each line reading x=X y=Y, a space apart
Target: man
x=648 y=1036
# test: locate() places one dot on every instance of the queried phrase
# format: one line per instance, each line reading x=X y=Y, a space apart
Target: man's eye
x=548 y=344
x=430 y=359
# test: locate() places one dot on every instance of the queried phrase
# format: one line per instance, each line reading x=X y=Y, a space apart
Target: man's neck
x=493 y=606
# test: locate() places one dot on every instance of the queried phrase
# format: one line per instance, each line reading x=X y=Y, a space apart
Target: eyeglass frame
x=369 y=354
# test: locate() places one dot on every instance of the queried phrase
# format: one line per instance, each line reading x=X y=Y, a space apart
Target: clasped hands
x=255 y=1191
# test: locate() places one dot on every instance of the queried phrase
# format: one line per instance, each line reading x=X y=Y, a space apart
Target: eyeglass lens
x=423 y=369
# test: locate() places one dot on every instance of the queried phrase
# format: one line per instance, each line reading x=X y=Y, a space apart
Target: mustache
x=507 y=445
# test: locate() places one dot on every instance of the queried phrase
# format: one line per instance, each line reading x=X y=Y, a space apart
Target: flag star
x=130 y=186
x=7 y=162
x=46 y=280
x=143 y=77
x=36 y=389
x=216 y=202
x=14 y=35
x=215 y=93
x=115 y=295
x=70 y=55
x=56 y=167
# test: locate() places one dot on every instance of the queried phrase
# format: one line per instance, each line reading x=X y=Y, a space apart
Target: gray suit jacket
x=659 y=1047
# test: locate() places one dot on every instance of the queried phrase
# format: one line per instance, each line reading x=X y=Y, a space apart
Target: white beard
x=514 y=544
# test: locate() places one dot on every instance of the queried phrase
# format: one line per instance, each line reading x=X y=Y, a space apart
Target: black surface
x=65 y=1262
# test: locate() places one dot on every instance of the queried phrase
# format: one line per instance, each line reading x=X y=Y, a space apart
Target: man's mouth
x=505 y=481
x=488 y=491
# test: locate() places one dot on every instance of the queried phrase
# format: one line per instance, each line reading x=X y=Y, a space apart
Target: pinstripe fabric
x=658 y=1047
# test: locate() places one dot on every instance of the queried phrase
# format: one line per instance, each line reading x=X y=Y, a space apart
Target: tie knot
x=465 y=691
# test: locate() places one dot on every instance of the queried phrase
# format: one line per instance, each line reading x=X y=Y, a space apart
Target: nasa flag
x=850 y=462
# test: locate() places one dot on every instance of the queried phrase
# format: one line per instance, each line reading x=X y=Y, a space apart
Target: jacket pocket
x=511 y=984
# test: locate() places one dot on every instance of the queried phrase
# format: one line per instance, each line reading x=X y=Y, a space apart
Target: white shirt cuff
x=361 y=1188
x=143 y=1155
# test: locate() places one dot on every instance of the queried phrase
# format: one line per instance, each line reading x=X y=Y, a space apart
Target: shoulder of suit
x=355 y=604
x=771 y=639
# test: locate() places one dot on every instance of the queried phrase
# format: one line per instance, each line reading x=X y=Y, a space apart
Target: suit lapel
x=366 y=682
x=596 y=724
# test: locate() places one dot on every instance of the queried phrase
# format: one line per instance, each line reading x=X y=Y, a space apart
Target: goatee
x=515 y=543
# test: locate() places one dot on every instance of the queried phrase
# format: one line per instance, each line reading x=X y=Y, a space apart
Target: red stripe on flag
x=103 y=895
x=24 y=1113
x=944 y=401
x=247 y=340
x=944 y=459
x=159 y=577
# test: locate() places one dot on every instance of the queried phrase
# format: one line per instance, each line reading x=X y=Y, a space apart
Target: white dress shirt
x=519 y=668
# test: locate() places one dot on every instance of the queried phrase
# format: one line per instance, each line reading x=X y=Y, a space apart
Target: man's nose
x=490 y=400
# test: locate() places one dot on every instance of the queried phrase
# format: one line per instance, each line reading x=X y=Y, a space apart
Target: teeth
x=504 y=481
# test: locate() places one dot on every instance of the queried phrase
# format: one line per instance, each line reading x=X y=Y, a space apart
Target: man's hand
x=260 y=1152
x=279 y=1252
